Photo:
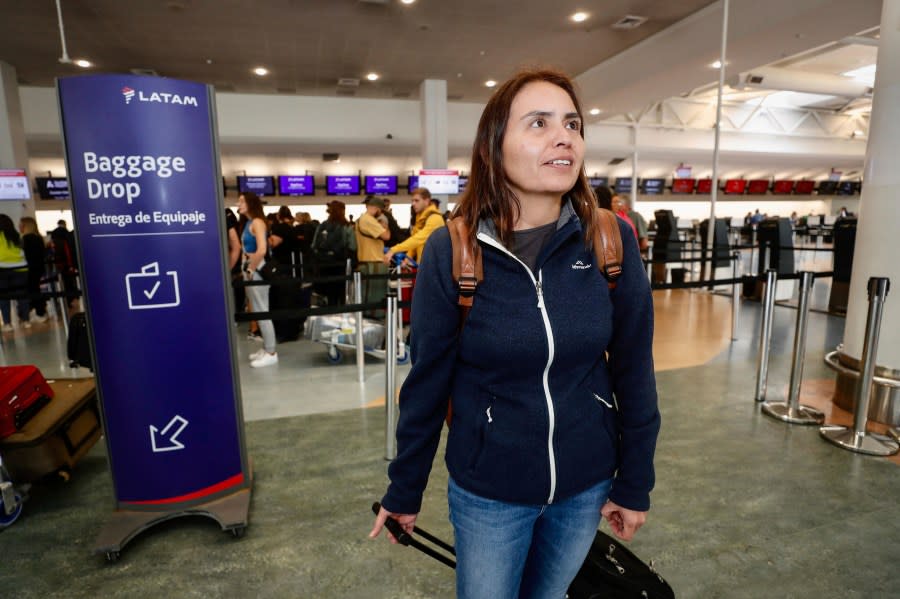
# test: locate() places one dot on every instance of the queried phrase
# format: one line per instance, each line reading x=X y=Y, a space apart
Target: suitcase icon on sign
x=148 y=289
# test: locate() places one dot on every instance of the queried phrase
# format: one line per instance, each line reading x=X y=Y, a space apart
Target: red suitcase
x=23 y=391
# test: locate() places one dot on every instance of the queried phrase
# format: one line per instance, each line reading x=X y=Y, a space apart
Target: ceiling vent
x=454 y=97
x=286 y=90
x=616 y=161
x=373 y=1
x=345 y=92
x=348 y=82
x=331 y=157
x=149 y=72
x=629 y=22
x=755 y=79
x=400 y=94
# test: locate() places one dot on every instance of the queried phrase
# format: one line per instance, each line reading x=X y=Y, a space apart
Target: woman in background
x=13 y=274
x=253 y=239
x=36 y=256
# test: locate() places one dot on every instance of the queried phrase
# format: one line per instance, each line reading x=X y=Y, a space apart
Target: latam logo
x=159 y=97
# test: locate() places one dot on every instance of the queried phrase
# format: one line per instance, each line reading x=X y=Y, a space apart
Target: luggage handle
x=406 y=539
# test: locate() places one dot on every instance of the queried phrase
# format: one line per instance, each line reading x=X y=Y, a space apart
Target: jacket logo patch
x=581 y=266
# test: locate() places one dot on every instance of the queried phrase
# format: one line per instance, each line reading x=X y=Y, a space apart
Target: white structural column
x=877 y=242
x=13 y=150
x=433 y=109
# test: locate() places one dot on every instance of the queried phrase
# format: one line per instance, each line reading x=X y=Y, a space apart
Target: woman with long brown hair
x=555 y=413
x=254 y=241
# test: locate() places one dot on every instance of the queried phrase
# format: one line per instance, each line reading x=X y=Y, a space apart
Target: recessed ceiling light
x=84 y=63
x=490 y=83
x=717 y=64
x=261 y=71
x=595 y=111
x=372 y=76
x=579 y=17
x=407 y=1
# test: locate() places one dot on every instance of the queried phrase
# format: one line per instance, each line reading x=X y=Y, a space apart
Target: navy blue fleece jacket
x=551 y=378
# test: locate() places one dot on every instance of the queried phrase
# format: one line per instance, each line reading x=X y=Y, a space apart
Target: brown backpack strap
x=608 y=245
x=467 y=269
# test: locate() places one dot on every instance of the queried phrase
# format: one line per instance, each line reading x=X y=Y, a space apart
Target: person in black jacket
x=555 y=416
x=36 y=256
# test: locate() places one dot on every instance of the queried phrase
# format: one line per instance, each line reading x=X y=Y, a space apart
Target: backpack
x=332 y=240
x=467 y=266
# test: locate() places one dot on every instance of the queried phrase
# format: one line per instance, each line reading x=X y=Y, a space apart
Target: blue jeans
x=515 y=551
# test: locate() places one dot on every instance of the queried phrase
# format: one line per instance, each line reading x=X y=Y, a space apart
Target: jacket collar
x=567 y=214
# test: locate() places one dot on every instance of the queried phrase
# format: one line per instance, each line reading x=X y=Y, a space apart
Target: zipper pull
x=540 y=294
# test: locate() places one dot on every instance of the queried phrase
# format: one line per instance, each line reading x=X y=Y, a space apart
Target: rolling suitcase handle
x=404 y=538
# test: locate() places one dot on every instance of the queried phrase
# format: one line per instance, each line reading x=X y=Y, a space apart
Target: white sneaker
x=266 y=359
x=7 y=328
x=26 y=324
x=39 y=319
x=257 y=354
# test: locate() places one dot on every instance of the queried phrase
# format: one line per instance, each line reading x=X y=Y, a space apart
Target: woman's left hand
x=623 y=522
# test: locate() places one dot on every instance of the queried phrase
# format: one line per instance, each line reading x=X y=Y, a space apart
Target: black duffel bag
x=611 y=571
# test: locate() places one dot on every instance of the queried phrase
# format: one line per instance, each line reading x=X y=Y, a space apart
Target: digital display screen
x=296 y=185
x=758 y=186
x=735 y=186
x=598 y=181
x=804 y=187
x=827 y=188
x=52 y=188
x=439 y=181
x=704 y=186
x=381 y=184
x=623 y=184
x=14 y=185
x=412 y=183
x=342 y=186
x=785 y=187
x=463 y=182
x=261 y=186
x=683 y=185
x=653 y=186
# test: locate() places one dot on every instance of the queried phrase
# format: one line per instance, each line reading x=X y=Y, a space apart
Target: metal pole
x=715 y=170
x=360 y=349
x=735 y=295
x=791 y=411
x=62 y=303
x=390 y=391
x=858 y=440
x=348 y=270
x=765 y=336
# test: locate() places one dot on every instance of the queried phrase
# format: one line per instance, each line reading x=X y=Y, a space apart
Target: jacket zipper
x=551 y=415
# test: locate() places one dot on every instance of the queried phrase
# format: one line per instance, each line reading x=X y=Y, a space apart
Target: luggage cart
x=12 y=498
x=338 y=332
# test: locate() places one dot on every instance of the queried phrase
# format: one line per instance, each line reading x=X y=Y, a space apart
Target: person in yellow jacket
x=428 y=218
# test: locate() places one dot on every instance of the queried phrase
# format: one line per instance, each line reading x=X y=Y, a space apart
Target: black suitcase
x=610 y=570
x=78 y=345
x=292 y=295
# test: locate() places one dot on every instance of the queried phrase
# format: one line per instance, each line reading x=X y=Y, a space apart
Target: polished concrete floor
x=744 y=506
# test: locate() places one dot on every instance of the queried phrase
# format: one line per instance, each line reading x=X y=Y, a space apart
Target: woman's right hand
x=407 y=522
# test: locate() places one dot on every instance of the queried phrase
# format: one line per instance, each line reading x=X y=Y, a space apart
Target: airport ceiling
x=328 y=47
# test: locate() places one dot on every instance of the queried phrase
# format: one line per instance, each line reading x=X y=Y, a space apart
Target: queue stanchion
x=791 y=411
x=348 y=271
x=765 y=335
x=857 y=439
x=360 y=349
x=61 y=302
x=735 y=295
x=390 y=370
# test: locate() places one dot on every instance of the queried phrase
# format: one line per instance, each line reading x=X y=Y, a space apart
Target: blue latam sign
x=142 y=162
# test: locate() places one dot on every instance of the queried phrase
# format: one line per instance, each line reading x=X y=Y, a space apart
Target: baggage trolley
x=12 y=498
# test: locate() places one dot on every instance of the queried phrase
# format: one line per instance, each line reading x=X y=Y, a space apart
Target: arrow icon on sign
x=174 y=443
